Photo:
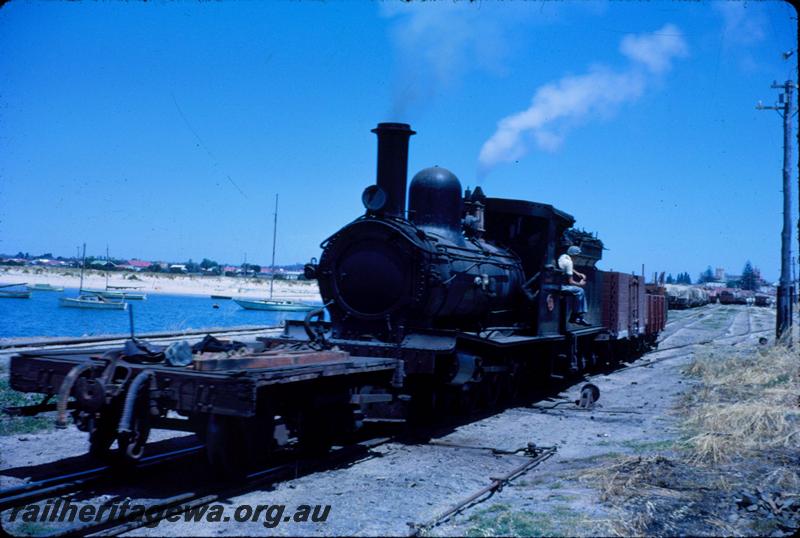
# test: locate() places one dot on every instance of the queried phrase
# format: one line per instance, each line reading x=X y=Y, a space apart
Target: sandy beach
x=173 y=284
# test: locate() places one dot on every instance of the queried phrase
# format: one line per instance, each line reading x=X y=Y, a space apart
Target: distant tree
x=208 y=264
x=670 y=280
x=255 y=269
x=706 y=276
x=192 y=267
x=749 y=280
x=154 y=268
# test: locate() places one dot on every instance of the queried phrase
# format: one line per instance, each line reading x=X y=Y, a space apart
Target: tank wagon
x=449 y=302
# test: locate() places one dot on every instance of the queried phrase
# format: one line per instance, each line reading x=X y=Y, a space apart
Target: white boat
x=92 y=301
x=44 y=287
x=7 y=293
x=118 y=295
x=279 y=305
x=106 y=294
x=273 y=304
x=90 y=298
x=134 y=296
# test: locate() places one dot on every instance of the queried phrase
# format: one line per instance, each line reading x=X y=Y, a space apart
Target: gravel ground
x=406 y=483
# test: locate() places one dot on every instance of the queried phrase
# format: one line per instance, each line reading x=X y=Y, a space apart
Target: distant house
x=13 y=261
x=293 y=275
x=103 y=264
x=137 y=265
x=48 y=262
x=178 y=268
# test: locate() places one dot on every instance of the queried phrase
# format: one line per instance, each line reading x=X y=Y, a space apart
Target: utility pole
x=784 y=108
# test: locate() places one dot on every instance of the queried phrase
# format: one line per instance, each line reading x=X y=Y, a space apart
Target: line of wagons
x=681 y=297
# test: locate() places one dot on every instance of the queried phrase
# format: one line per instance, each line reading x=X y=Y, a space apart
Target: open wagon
x=241 y=400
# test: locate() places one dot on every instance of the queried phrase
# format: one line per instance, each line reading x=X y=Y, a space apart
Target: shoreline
x=163 y=283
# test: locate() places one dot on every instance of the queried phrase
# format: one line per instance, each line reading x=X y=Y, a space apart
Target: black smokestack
x=393 y=165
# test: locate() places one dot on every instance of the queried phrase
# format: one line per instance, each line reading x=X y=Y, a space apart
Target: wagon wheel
x=102 y=432
x=316 y=435
x=467 y=400
x=226 y=449
x=234 y=445
x=199 y=423
x=446 y=402
x=425 y=404
x=320 y=424
x=496 y=387
x=514 y=381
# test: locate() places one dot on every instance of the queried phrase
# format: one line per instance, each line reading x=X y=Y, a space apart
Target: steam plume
x=557 y=106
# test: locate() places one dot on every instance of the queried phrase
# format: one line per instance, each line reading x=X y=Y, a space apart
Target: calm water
x=41 y=315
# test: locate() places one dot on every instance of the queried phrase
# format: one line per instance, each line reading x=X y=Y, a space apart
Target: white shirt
x=565 y=264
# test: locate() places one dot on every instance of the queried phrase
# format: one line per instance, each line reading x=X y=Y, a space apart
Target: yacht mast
x=274 y=237
x=83 y=265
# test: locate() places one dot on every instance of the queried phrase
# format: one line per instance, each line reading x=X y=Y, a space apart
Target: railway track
x=11 y=346
x=65 y=485
x=179 y=503
x=182 y=502
x=732 y=322
x=78 y=480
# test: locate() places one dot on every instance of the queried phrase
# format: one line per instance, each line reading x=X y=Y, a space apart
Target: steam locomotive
x=450 y=303
x=464 y=289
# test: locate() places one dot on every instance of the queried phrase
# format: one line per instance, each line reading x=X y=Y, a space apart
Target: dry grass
x=630 y=476
x=747 y=401
x=746 y=404
x=646 y=481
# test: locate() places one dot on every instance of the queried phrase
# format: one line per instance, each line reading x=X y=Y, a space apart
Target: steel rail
x=183 y=502
x=58 y=485
x=116 y=337
x=681 y=346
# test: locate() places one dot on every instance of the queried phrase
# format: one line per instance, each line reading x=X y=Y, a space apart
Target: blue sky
x=165 y=129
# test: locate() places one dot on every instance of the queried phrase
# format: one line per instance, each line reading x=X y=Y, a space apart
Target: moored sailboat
x=87 y=299
x=44 y=287
x=273 y=304
x=6 y=293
